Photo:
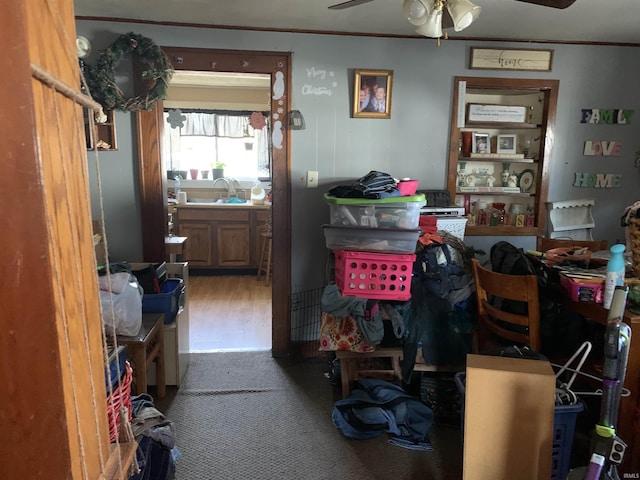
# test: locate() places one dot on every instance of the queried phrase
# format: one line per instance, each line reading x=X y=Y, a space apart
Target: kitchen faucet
x=230 y=184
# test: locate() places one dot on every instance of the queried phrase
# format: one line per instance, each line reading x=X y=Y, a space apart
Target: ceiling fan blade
x=349 y=4
x=550 y=3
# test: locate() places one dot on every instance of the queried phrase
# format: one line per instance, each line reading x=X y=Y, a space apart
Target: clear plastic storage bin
x=385 y=240
x=392 y=212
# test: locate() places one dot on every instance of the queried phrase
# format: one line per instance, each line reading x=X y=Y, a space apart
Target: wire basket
x=453 y=225
x=120 y=397
x=634 y=243
x=381 y=276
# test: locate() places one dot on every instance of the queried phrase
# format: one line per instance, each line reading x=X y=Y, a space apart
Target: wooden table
x=628 y=421
x=144 y=349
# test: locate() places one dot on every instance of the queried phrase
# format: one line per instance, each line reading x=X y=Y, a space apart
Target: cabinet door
x=198 y=248
x=514 y=119
x=234 y=245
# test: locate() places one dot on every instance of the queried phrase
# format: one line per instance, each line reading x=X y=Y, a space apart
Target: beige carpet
x=249 y=416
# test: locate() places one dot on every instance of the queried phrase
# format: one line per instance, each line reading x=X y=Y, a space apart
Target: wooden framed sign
x=510 y=59
x=478 y=113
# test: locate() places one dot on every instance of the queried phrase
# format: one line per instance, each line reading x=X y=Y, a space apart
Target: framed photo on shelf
x=506 y=143
x=372 y=93
x=481 y=143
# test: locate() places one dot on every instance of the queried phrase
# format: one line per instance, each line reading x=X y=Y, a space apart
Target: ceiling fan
x=432 y=17
x=545 y=3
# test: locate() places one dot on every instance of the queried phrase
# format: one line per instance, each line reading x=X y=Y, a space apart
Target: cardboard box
x=509 y=415
x=583 y=290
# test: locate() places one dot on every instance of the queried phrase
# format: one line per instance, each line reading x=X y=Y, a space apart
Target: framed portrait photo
x=506 y=143
x=481 y=143
x=372 y=93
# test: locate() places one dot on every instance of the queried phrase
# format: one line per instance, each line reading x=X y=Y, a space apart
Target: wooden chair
x=543 y=244
x=510 y=328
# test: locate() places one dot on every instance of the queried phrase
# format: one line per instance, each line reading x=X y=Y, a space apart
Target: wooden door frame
x=152 y=181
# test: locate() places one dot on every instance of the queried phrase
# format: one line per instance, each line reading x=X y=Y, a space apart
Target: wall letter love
x=606 y=149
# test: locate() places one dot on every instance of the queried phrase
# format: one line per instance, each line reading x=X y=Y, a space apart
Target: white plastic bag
x=122 y=312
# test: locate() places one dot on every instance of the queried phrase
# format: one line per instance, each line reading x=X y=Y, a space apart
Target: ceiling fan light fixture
x=416 y=11
x=463 y=13
x=433 y=26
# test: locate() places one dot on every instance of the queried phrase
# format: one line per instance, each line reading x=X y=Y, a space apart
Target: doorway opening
x=209 y=119
x=277 y=66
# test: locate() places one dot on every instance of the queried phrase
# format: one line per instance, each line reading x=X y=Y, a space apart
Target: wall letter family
x=598 y=116
x=610 y=116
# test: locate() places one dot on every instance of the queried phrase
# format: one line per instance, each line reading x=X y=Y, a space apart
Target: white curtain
x=217 y=125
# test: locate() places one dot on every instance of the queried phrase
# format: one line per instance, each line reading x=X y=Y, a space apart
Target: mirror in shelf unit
x=510 y=173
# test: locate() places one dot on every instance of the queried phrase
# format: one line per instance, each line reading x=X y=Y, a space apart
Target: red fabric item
x=428 y=224
x=429 y=238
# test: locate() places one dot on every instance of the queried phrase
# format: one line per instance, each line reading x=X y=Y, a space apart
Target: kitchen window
x=202 y=139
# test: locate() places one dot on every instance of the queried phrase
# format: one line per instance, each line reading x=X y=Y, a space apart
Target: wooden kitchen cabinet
x=221 y=238
x=199 y=245
x=520 y=112
x=234 y=245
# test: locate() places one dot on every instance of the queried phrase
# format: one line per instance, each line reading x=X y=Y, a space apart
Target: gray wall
x=413 y=143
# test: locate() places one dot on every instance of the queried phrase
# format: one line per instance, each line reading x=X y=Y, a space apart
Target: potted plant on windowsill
x=218 y=170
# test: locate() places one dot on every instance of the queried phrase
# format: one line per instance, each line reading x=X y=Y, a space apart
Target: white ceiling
x=608 y=21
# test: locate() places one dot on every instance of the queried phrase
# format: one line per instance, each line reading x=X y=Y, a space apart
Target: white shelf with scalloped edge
x=571 y=218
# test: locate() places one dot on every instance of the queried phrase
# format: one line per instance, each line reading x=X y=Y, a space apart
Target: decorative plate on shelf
x=526 y=180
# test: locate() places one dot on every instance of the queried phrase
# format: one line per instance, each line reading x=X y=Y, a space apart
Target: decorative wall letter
x=597 y=180
x=607 y=149
x=611 y=116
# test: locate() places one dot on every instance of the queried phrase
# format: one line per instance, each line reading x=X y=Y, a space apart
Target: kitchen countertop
x=229 y=206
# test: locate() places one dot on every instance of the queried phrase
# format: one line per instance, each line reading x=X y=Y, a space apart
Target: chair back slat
x=519 y=328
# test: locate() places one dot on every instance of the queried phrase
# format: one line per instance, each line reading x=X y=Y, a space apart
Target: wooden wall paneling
x=53 y=407
x=152 y=184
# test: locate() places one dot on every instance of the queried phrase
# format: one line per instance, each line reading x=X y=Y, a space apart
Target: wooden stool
x=174 y=247
x=264 y=265
x=350 y=371
x=144 y=349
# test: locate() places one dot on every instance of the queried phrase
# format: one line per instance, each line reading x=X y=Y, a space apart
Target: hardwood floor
x=230 y=313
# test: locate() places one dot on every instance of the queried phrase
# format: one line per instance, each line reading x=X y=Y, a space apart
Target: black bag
x=562 y=331
x=152 y=277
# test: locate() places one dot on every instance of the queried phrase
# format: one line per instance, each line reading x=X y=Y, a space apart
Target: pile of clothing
x=156 y=437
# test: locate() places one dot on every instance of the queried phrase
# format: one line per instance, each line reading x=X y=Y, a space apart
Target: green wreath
x=156 y=73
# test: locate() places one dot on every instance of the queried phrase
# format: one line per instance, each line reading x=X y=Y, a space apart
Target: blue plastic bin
x=564 y=427
x=167 y=302
x=115 y=369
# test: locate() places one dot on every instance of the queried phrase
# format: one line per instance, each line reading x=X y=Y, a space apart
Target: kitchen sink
x=219 y=201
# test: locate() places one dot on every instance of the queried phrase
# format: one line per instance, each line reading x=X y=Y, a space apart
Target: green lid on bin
x=368 y=201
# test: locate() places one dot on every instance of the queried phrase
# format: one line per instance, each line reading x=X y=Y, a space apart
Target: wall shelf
x=105 y=133
x=571 y=218
x=480 y=174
